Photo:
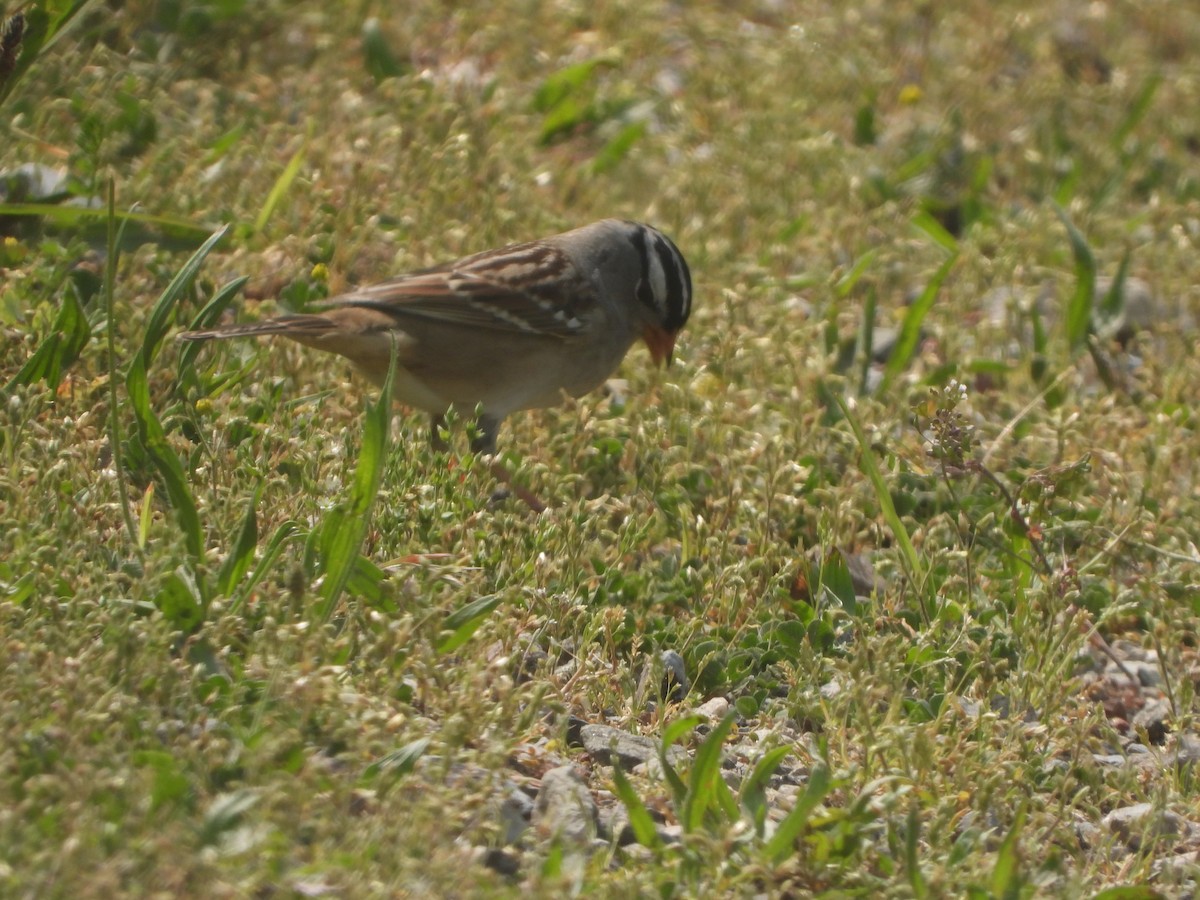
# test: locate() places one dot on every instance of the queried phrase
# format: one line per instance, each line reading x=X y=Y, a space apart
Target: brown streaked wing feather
x=288 y=326
x=529 y=288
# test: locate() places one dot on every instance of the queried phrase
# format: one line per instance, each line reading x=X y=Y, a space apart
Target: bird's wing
x=530 y=288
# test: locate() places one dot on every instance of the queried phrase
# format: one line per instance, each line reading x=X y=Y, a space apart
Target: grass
x=256 y=643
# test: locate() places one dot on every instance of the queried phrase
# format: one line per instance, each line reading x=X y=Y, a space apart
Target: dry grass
x=800 y=154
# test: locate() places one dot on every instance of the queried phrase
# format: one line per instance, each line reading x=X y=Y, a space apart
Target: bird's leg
x=484 y=442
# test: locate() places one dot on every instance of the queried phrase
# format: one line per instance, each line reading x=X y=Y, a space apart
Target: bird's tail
x=296 y=327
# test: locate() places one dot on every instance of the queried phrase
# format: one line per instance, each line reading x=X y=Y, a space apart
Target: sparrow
x=508 y=329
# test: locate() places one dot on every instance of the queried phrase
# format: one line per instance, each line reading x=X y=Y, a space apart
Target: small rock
x=1188 y=751
x=714 y=709
x=1153 y=718
x=1148 y=675
x=1181 y=864
x=614 y=824
x=1128 y=650
x=515 y=814
x=670 y=834
x=565 y=807
x=1133 y=824
x=862 y=575
x=611 y=745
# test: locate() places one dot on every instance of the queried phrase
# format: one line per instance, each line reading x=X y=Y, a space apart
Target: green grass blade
x=753 y=794
x=170 y=230
x=166 y=461
x=238 y=560
x=1137 y=111
x=866 y=341
x=284 y=535
x=866 y=462
x=1112 y=304
x=464 y=622
x=398 y=763
x=345 y=528
x=926 y=223
x=1079 y=309
x=846 y=283
x=206 y=318
x=160 y=315
x=280 y=188
x=639 y=816
x=912 y=854
x=671 y=735
x=783 y=841
x=1006 y=874
x=115 y=438
x=59 y=349
x=910 y=329
x=706 y=771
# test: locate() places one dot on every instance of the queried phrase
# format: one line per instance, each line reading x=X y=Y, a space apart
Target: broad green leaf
x=836 y=580
x=171 y=784
x=753 y=791
x=284 y=534
x=59 y=349
x=705 y=772
x=1130 y=892
x=566 y=81
x=639 y=817
x=380 y=62
x=21 y=590
x=179 y=601
x=166 y=461
x=464 y=622
x=618 y=148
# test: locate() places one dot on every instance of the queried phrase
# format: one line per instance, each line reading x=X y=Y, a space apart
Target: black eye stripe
x=676 y=306
x=679 y=282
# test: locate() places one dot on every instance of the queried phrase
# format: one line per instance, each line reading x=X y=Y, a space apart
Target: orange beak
x=661 y=344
